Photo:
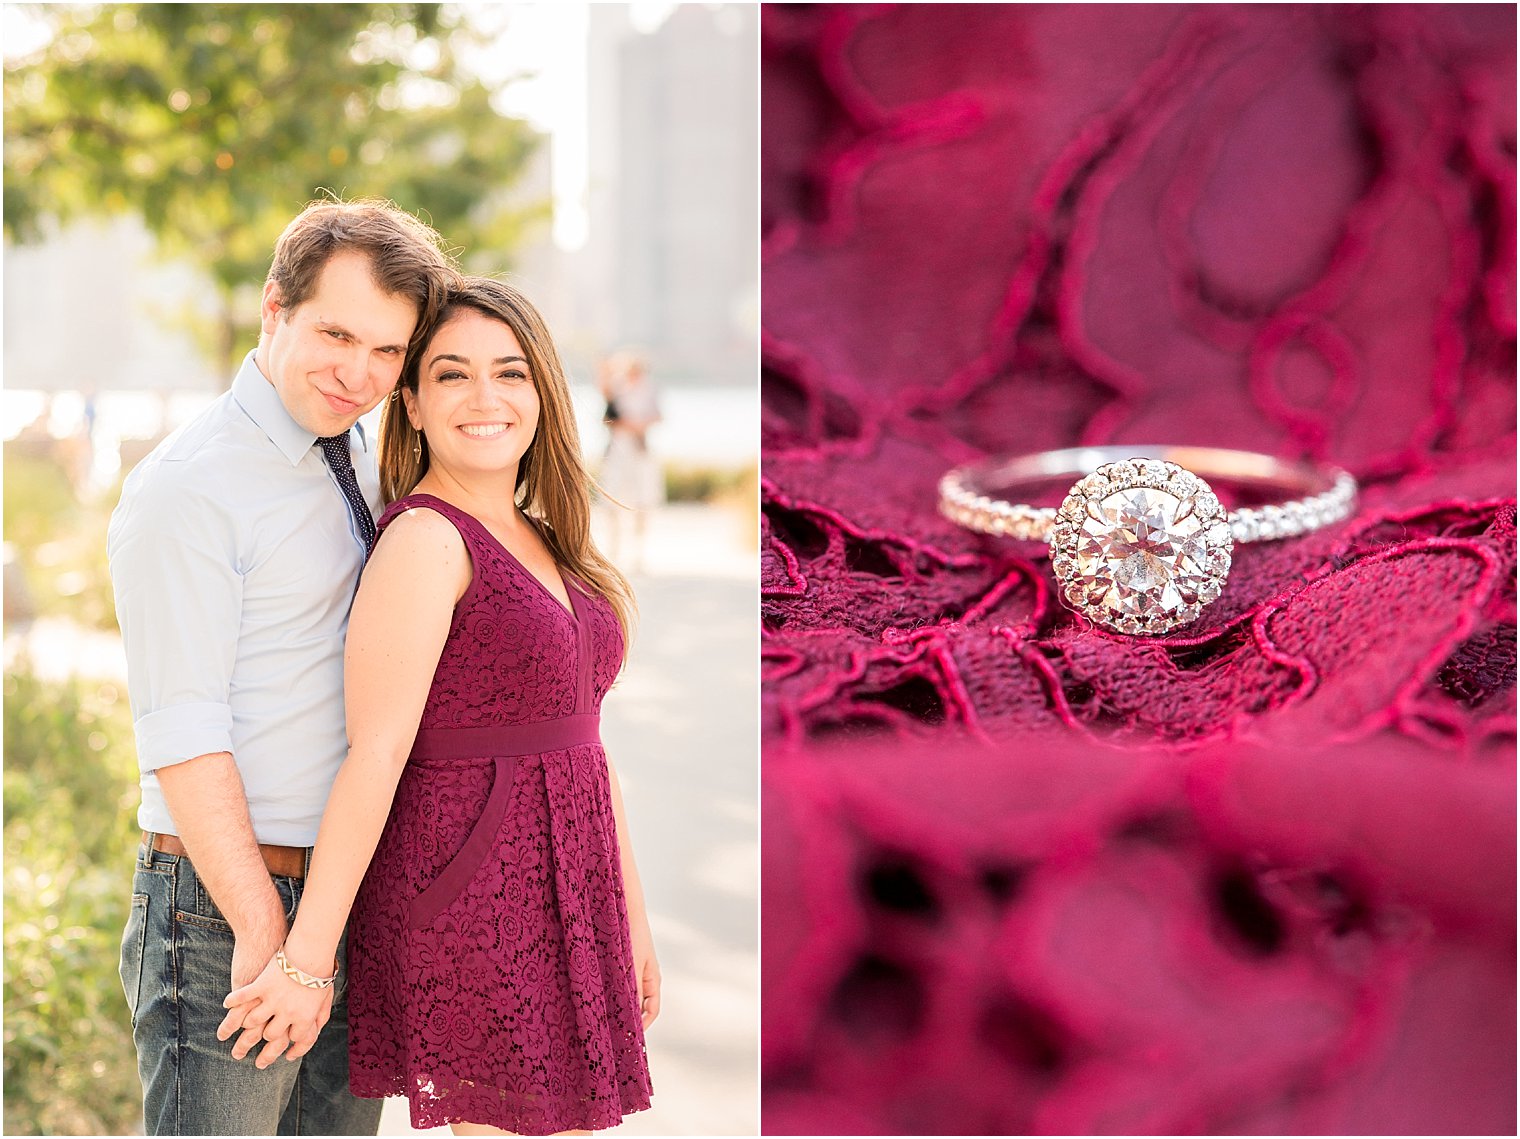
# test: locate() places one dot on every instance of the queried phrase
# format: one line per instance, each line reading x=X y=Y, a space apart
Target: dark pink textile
x=508 y=739
x=1059 y=937
x=1008 y=228
x=491 y=973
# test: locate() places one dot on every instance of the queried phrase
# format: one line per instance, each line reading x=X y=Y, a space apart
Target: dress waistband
x=507 y=739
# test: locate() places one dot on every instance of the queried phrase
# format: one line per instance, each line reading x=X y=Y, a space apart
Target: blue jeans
x=176 y=967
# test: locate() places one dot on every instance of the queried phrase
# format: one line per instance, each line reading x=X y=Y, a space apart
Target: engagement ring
x=1141 y=542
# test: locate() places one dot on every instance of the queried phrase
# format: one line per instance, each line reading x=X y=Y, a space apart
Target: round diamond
x=1142 y=555
x=1183 y=482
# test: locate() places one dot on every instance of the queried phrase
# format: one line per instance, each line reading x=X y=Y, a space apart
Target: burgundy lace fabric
x=1023 y=875
x=491 y=972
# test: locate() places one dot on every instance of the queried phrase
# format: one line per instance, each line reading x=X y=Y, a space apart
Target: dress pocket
x=455 y=876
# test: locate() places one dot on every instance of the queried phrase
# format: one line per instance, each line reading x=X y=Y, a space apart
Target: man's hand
x=254 y=948
x=276 y=1009
x=205 y=796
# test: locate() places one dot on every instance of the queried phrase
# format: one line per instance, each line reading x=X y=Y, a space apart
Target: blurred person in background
x=502 y=969
x=234 y=554
x=630 y=474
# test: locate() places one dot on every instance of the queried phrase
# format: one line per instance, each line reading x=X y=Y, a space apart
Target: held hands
x=277 y=1009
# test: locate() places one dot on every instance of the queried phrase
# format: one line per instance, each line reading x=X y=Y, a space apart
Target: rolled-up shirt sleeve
x=179 y=600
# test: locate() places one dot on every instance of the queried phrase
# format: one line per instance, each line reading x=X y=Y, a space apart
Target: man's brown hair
x=406 y=256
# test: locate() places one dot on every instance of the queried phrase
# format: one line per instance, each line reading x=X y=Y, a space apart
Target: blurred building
x=673 y=198
x=93 y=309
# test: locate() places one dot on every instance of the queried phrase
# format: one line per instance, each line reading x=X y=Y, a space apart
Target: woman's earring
x=417 y=447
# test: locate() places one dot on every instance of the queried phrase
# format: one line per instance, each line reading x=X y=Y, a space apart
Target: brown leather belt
x=283 y=861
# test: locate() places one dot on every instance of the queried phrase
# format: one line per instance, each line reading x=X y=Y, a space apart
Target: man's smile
x=340 y=404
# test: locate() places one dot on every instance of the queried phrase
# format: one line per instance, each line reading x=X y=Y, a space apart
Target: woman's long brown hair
x=553 y=486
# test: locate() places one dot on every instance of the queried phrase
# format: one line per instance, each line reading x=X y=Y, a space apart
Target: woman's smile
x=483 y=430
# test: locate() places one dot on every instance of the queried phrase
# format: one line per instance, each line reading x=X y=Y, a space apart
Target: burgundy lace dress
x=491 y=972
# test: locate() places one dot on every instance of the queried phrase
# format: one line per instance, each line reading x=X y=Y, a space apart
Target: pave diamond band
x=1141 y=543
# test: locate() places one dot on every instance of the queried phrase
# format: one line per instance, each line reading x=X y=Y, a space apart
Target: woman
x=496 y=978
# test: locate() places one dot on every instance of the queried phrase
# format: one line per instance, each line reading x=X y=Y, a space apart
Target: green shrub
x=61 y=542
x=39 y=502
x=70 y=798
x=700 y=484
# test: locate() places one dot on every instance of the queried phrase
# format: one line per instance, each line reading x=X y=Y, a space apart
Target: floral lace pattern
x=1252 y=876
x=513 y=1001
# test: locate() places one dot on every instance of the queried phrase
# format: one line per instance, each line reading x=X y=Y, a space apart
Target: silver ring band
x=1327 y=494
x=1141 y=543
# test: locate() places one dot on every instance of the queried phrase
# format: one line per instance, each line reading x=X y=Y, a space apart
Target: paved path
x=681 y=725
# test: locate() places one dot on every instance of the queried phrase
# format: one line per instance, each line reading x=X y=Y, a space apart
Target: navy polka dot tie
x=335 y=447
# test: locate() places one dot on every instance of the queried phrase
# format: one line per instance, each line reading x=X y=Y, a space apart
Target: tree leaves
x=216 y=123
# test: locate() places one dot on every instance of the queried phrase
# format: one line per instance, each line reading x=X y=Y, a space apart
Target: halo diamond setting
x=1140 y=546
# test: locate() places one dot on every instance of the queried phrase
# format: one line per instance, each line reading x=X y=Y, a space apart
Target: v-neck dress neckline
x=571 y=611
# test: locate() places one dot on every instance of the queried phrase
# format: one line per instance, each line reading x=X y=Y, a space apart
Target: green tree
x=216 y=122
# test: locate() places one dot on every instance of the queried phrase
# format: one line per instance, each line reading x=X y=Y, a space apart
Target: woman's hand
x=277 y=1009
x=646 y=970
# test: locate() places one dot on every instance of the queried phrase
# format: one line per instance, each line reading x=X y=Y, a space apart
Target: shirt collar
x=257 y=397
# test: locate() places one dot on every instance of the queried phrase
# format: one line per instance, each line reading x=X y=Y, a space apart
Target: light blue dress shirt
x=234 y=559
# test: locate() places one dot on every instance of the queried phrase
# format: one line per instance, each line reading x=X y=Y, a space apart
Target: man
x=235 y=552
